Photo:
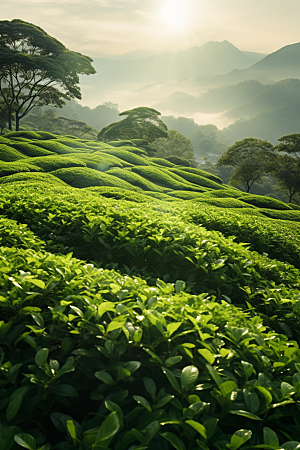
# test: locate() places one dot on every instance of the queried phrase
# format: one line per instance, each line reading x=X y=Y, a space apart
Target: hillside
x=143 y=305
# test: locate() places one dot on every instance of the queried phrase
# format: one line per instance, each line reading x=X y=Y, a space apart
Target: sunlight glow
x=174 y=13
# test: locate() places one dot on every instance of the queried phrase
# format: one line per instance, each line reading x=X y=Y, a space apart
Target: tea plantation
x=143 y=305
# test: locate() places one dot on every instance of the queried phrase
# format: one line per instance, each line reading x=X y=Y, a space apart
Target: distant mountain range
x=210 y=59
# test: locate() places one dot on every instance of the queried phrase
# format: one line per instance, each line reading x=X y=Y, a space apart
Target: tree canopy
x=176 y=144
x=250 y=157
x=290 y=144
x=139 y=123
x=286 y=170
x=36 y=69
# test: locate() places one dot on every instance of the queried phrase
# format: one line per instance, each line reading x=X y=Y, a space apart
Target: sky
x=102 y=28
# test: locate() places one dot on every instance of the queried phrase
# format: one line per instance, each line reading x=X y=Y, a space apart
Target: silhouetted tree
x=250 y=157
x=175 y=145
x=286 y=170
x=36 y=69
x=139 y=123
x=290 y=144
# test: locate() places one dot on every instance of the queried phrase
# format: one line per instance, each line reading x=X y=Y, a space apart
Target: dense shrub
x=135 y=179
x=161 y=177
x=128 y=156
x=161 y=162
x=293 y=215
x=179 y=161
x=55 y=146
x=196 y=179
x=30 y=150
x=51 y=163
x=119 y=194
x=202 y=173
x=8 y=153
x=9 y=168
x=81 y=177
x=31 y=177
x=264 y=202
x=101 y=161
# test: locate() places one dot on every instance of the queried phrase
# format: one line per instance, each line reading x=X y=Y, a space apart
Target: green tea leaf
x=174 y=440
x=207 y=355
x=105 y=377
x=189 y=376
x=198 y=427
x=245 y=414
x=41 y=357
x=270 y=437
x=142 y=401
x=239 y=438
x=25 y=440
x=150 y=387
x=109 y=428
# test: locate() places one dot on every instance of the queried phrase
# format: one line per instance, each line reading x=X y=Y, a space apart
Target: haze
x=111 y=27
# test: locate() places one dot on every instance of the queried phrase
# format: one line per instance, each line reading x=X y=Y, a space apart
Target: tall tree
x=290 y=144
x=36 y=69
x=139 y=123
x=176 y=144
x=286 y=169
x=251 y=158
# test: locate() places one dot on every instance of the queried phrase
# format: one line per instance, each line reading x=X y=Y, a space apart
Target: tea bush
x=9 y=168
x=119 y=194
x=129 y=157
x=101 y=161
x=162 y=178
x=135 y=179
x=51 y=163
x=264 y=202
x=81 y=177
x=196 y=179
x=31 y=177
x=93 y=359
x=9 y=154
x=202 y=173
x=29 y=150
x=55 y=146
x=293 y=215
x=161 y=162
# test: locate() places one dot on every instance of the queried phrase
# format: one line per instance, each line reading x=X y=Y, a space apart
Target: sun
x=174 y=13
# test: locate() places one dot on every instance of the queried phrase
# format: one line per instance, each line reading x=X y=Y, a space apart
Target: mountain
x=284 y=63
x=210 y=59
x=214 y=100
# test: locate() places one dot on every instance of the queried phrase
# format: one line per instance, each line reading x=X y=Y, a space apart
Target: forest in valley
x=149 y=264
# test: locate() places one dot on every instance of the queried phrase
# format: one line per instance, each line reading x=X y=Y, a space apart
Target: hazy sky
x=103 y=27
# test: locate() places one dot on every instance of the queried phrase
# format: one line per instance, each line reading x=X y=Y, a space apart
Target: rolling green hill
x=143 y=306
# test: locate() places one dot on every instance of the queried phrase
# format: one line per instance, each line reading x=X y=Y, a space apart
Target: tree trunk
x=17 y=122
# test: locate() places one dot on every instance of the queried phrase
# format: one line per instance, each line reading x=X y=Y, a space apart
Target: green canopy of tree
x=251 y=158
x=175 y=144
x=139 y=123
x=36 y=69
x=290 y=144
x=286 y=170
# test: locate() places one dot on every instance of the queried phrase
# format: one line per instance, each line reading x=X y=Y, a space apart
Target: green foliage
x=226 y=202
x=165 y=178
x=10 y=168
x=81 y=177
x=28 y=177
x=202 y=173
x=140 y=123
x=28 y=149
x=127 y=156
x=284 y=215
x=150 y=371
x=32 y=65
x=264 y=202
x=250 y=157
x=8 y=153
x=119 y=194
x=55 y=146
x=197 y=179
x=53 y=162
x=178 y=161
x=290 y=144
x=30 y=135
x=135 y=179
x=174 y=145
x=162 y=162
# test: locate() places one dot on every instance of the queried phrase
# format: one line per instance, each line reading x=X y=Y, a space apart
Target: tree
x=176 y=144
x=3 y=120
x=250 y=157
x=286 y=170
x=36 y=70
x=290 y=144
x=139 y=123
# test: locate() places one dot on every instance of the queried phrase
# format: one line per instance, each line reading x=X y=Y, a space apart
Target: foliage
x=264 y=202
x=28 y=177
x=81 y=177
x=8 y=153
x=196 y=178
x=139 y=123
x=36 y=69
x=175 y=144
x=9 y=168
x=286 y=170
x=135 y=179
x=178 y=161
x=250 y=157
x=290 y=144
